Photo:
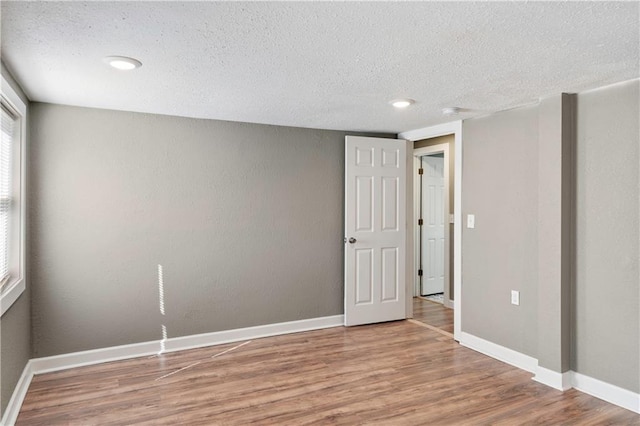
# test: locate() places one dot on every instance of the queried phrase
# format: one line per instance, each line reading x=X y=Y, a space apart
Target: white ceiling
x=321 y=65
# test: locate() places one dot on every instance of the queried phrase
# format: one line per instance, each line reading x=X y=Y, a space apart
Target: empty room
x=392 y=213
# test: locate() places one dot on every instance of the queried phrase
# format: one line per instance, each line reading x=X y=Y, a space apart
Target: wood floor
x=396 y=373
x=433 y=313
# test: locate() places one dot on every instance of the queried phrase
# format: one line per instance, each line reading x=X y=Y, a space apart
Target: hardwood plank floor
x=433 y=313
x=394 y=373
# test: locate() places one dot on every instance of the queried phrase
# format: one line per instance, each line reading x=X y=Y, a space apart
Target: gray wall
x=500 y=186
x=15 y=324
x=556 y=140
x=246 y=220
x=15 y=347
x=505 y=173
x=607 y=299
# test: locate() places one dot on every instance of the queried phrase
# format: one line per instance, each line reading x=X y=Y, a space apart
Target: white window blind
x=13 y=115
x=6 y=161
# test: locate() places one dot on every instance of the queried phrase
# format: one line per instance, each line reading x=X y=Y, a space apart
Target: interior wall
x=450 y=140
x=607 y=298
x=15 y=345
x=556 y=140
x=245 y=219
x=500 y=187
x=15 y=324
x=500 y=253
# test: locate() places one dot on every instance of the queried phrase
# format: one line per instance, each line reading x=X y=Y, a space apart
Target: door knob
x=352 y=240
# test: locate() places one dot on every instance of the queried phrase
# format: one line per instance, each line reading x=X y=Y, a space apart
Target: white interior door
x=433 y=241
x=375 y=230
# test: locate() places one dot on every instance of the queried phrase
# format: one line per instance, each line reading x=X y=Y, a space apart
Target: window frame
x=15 y=286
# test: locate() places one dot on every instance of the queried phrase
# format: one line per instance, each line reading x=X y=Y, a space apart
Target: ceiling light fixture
x=402 y=103
x=122 y=63
x=451 y=111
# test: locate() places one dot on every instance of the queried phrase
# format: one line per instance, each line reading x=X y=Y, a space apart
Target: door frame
x=417 y=154
x=454 y=128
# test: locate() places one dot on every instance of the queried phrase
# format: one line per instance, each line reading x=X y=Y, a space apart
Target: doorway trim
x=455 y=128
x=417 y=155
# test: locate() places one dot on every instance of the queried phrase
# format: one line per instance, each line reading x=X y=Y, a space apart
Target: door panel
x=390 y=204
x=389 y=274
x=364 y=203
x=375 y=216
x=390 y=158
x=364 y=275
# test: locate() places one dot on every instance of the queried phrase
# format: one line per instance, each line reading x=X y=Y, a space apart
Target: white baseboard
x=95 y=356
x=448 y=303
x=498 y=352
x=10 y=414
x=116 y=353
x=606 y=391
x=560 y=381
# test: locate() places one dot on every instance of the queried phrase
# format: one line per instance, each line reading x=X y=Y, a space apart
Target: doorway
x=434 y=231
x=431 y=227
x=415 y=138
x=399 y=273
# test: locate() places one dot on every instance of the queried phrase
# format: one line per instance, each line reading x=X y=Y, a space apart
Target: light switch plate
x=515 y=297
x=451 y=218
x=471 y=221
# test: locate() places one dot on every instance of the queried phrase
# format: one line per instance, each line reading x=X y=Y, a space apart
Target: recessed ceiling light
x=402 y=103
x=451 y=111
x=122 y=62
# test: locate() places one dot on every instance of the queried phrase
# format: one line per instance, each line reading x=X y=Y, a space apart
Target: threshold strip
x=430 y=327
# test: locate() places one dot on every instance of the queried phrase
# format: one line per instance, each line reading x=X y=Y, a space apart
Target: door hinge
x=420 y=171
x=419 y=272
x=420 y=222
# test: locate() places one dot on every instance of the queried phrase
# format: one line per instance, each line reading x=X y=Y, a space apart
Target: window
x=8 y=123
x=12 y=147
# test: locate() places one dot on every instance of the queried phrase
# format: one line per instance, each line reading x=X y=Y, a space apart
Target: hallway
x=433 y=314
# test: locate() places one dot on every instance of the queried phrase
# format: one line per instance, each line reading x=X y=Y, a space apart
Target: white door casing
x=433 y=238
x=375 y=230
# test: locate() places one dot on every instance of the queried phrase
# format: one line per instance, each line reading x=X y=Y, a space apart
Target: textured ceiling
x=321 y=65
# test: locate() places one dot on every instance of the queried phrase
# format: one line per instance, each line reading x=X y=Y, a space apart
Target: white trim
x=10 y=414
x=116 y=353
x=611 y=393
x=431 y=132
x=457 y=231
x=455 y=128
x=560 y=381
x=501 y=353
x=95 y=356
x=10 y=295
x=15 y=288
x=415 y=164
x=409 y=259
